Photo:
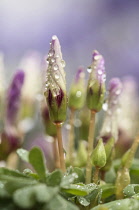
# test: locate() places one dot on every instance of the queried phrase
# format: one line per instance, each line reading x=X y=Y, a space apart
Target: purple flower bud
x=115 y=89
x=110 y=124
x=13 y=97
x=10 y=141
x=96 y=83
x=55 y=87
x=77 y=90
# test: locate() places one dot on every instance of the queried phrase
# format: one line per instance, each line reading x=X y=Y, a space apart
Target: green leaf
x=79 y=189
x=131 y=190
x=36 y=159
x=68 y=179
x=3 y=192
x=54 y=178
x=23 y=154
x=9 y=172
x=80 y=173
x=130 y=204
x=107 y=190
x=58 y=202
x=27 y=197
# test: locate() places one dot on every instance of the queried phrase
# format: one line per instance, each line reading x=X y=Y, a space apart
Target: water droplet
x=47 y=60
x=96 y=57
x=55 y=67
x=89 y=69
x=63 y=63
x=56 y=76
x=51 y=52
x=100 y=72
x=52 y=60
x=104 y=77
x=117 y=92
x=54 y=37
x=68 y=126
x=78 y=94
x=47 y=84
x=105 y=107
x=77 y=123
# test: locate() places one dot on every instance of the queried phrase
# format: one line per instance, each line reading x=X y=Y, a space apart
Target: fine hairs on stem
x=90 y=147
x=60 y=147
x=96 y=175
x=71 y=137
x=56 y=153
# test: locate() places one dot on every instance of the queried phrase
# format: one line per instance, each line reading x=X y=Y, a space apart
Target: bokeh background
x=110 y=26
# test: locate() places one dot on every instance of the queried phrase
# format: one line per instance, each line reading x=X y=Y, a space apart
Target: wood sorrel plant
x=99 y=181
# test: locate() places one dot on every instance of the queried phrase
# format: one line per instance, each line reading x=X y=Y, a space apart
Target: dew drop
x=96 y=57
x=68 y=126
x=104 y=77
x=54 y=37
x=78 y=94
x=56 y=76
x=105 y=107
x=89 y=69
x=77 y=123
x=51 y=52
x=63 y=63
x=55 y=67
x=100 y=72
x=52 y=60
x=117 y=92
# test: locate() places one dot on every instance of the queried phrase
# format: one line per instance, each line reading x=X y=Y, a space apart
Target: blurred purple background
x=111 y=27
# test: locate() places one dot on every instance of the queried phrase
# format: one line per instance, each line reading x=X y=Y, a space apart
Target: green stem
x=60 y=147
x=90 y=147
x=96 y=174
x=71 y=138
x=55 y=153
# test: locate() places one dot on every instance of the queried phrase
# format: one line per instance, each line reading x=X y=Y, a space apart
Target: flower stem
x=132 y=152
x=96 y=174
x=90 y=147
x=56 y=154
x=71 y=138
x=60 y=147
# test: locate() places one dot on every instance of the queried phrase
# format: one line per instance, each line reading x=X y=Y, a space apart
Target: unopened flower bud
x=109 y=146
x=96 y=83
x=98 y=156
x=13 y=97
x=55 y=87
x=77 y=91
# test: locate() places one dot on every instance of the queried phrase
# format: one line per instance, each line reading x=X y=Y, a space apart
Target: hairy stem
x=90 y=147
x=55 y=153
x=60 y=147
x=71 y=137
x=96 y=174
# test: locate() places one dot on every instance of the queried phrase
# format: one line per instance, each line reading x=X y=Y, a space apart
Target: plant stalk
x=71 y=137
x=96 y=175
x=90 y=147
x=60 y=147
x=55 y=153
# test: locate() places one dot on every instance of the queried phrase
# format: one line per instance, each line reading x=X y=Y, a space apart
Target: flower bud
x=109 y=146
x=96 y=83
x=77 y=91
x=13 y=97
x=98 y=156
x=50 y=128
x=110 y=124
x=55 y=87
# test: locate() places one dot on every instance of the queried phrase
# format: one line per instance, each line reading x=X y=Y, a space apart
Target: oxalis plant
x=88 y=174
